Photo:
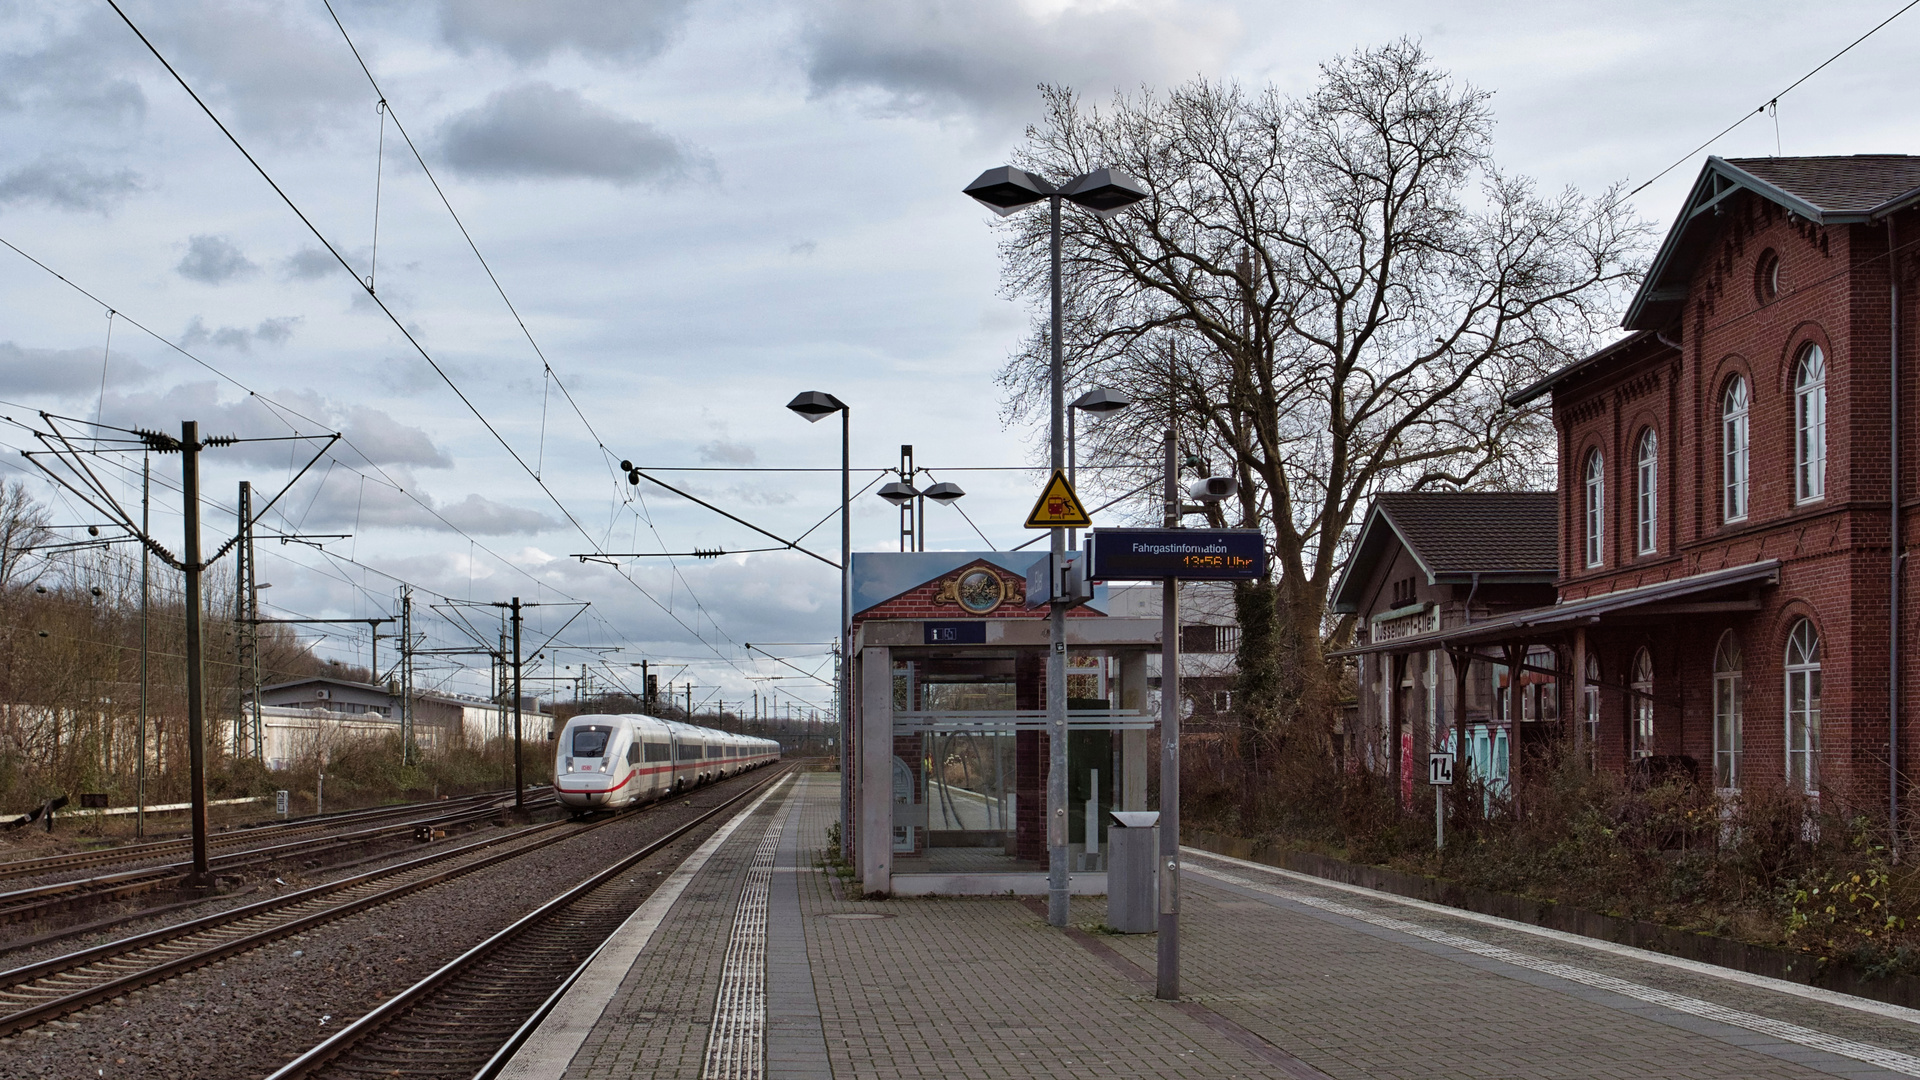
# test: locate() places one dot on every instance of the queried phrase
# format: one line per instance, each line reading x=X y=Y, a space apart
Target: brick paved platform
x=1286 y=976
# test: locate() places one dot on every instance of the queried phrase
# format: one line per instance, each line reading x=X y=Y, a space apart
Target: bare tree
x=23 y=527
x=1333 y=294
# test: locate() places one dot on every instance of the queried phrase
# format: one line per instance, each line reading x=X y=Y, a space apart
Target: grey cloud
x=274 y=70
x=985 y=57
x=68 y=185
x=540 y=130
x=532 y=32
x=342 y=500
x=214 y=260
x=309 y=264
x=26 y=372
x=77 y=69
x=377 y=436
x=386 y=441
x=803 y=248
x=484 y=517
x=726 y=452
x=273 y=331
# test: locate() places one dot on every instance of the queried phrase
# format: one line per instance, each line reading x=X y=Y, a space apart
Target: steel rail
x=239 y=833
x=347 y=1038
x=36 y=900
x=112 y=957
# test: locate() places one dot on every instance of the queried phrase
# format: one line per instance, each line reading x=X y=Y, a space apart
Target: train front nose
x=585 y=783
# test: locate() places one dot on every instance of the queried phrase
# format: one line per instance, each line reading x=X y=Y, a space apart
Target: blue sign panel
x=955 y=633
x=1188 y=554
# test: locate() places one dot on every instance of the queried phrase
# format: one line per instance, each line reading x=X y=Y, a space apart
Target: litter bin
x=1133 y=854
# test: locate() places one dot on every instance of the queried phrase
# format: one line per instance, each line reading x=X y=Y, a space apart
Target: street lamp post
x=1097 y=400
x=815 y=405
x=1104 y=191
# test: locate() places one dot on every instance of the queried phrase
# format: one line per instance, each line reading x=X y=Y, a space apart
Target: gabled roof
x=1502 y=536
x=1824 y=190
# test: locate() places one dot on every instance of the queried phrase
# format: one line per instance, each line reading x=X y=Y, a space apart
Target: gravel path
x=244 y=1018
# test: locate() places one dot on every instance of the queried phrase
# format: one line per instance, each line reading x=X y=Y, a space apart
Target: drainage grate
x=737 y=1043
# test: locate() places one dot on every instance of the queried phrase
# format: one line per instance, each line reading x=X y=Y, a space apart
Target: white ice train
x=606 y=762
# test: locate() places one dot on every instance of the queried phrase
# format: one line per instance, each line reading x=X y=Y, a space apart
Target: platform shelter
x=950 y=751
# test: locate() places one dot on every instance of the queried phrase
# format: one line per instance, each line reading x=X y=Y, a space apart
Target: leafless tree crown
x=1333 y=293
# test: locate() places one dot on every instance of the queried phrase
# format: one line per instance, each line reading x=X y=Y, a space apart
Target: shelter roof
x=1503 y=536
x=1733 y=586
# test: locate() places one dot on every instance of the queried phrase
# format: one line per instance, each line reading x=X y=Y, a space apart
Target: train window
x=689 y=752
x=713 y=751
x=659 y=751
x=633 y=753
x=589 y=742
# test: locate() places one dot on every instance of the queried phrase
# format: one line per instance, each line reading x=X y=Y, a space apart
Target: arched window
x=1596 y=506
x=1733 y=450
x=1642 y=704
x=1647 y=510
x=1727 y=694
x=1810 y=425
x=1590 y=708
x=1803 y=707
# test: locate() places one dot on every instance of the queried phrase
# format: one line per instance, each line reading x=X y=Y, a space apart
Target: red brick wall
x=1833 y=291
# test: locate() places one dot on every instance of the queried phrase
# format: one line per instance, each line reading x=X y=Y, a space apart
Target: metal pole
x=406 y=680
x=140 y=766
x=202 y=876
x=1073 y=470
x=1894 y=546
x=1166 y=984
x=1057 y=884
x=846 y=634
x=519 y=786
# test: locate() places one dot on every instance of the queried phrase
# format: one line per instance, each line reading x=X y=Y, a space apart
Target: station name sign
x=1188 y=554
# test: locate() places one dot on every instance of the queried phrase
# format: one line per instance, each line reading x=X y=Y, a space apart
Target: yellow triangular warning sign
x=1058 y=507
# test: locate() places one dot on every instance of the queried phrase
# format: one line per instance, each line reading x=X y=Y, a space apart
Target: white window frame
x=1647 y=469
x=1810 y=425
x=1596 y=491
x=1735 y=406
x=1728 y=700
x=1642 y=712
x=1802 y=704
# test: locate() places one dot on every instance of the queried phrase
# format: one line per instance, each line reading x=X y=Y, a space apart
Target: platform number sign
x=1440 y=770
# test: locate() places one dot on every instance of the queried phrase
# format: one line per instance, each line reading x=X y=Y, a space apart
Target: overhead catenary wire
x=394 y=319
x=1774 y=101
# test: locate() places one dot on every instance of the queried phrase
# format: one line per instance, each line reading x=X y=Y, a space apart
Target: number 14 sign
x=1440 y=770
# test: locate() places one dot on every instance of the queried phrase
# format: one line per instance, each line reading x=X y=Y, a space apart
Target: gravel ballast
x=245 y=1017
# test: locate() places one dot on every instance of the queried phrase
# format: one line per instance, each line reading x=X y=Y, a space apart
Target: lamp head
x=1102 y=400
x=897 y=493
x=1105 y=191
x=945 y=491
x=1007 y=189
x=816 y=405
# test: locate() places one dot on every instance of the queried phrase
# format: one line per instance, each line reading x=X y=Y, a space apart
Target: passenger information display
x=1189 y=554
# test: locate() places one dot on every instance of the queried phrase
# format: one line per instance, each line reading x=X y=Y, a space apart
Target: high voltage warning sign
x=1058 y=507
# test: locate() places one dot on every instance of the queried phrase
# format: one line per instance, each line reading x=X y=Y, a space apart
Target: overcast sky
x=699 y=208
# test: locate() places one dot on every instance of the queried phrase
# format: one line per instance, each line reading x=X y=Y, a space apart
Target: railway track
x=242 y=834
x=41 y=900
x=35 y=993
x=461 y=1019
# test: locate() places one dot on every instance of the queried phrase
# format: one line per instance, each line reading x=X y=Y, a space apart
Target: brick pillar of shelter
x=1030 y=761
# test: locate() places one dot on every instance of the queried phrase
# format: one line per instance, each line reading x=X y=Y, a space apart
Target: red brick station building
x=1716 y=585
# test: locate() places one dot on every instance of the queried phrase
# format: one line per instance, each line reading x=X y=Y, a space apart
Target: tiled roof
x=1464 y=532
x=1851 y=184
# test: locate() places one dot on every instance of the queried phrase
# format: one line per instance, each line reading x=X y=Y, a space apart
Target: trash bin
x=1133 y=855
